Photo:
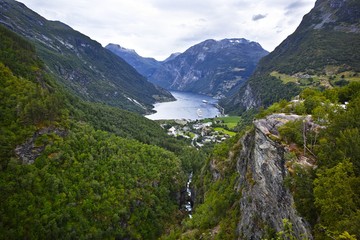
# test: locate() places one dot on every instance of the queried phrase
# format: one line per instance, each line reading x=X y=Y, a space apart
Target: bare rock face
x=32 y=148
x=249 y=99
x=332 y=12
x=265 y=201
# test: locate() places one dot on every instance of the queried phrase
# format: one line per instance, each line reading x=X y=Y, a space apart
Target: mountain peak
x=232 y=41
x=145 y=66
x=172 y=56
x=119 y=48
x=211 y=45
x=236 y=40
x=212 y=67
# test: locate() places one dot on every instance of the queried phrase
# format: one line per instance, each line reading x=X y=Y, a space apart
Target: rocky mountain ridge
x=329 y=14
x=145 y=66
x=252 y=181
x=214 y=68
x=80 y=63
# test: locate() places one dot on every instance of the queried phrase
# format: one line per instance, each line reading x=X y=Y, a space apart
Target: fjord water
x=186 y=106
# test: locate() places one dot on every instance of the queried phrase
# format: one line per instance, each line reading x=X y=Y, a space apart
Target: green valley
x=78 y=161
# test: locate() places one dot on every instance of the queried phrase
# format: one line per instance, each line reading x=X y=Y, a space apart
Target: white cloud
x=157 y=28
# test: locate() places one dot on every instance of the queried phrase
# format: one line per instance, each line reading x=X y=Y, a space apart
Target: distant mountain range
x=145 y=66
x=214 y=68
x=323 y=52
x=81 y=64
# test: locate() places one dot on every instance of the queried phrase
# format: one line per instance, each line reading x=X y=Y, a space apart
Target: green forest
x=326 y=196
x=73 y=169
x=100 y=172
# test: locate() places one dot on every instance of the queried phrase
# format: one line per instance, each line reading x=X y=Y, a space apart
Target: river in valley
x=187 y=106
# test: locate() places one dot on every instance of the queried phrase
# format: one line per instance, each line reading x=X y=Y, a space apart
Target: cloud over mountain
x=156 y=28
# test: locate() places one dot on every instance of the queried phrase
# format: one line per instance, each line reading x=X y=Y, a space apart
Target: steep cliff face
x=265 y=201
x=249 y=99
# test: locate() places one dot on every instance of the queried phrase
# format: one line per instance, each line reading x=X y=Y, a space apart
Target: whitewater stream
x=189 y=201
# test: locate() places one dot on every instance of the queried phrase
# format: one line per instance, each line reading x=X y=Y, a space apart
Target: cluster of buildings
x=199 y=133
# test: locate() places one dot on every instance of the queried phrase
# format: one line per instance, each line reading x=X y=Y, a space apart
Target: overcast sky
x=157 y=28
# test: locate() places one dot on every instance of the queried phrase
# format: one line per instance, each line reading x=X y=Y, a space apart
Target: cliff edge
x=265 y=201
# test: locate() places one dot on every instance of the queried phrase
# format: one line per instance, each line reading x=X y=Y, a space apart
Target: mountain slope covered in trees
x=81 y=64
x=72 y=169
x=293 y=174
x=321 y=53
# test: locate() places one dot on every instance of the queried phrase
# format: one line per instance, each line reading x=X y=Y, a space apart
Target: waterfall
x=188 y=198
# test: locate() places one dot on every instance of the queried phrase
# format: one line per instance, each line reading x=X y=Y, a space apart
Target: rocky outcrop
x=329 y=13
x=265 y=201
x=34 y=146
x=249 y=100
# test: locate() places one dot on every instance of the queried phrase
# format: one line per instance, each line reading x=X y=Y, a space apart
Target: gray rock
x=29 y=151
x=265 y=202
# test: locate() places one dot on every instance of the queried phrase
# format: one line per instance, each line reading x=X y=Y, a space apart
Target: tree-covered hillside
x=321 y=53
x=75 y=169
x=28 y=98
x=320 y=156
x=81 y=64
x=327 y=194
